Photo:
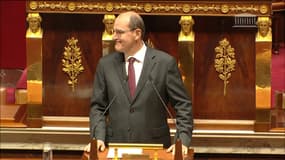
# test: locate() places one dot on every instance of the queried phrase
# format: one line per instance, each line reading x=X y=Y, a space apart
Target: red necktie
x=132 y=77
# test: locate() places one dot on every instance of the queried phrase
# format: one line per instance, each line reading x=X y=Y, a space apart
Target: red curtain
x=13 y=30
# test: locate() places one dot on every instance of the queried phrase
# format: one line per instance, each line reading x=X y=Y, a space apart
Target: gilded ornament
x=167 y=8
x=34 y=30
x=52 y=6
x=150 y=43
x=72 y=62
x=225 y=8
x=109 y=7
x=90 y=6
x=71 y=6
x=147 y=7
x=263 y=9
x=186 y=8
x=196 y=8
x=33 y=5
x=264 y=33
x=225 y=61
x=243 y=9
x=129 y=7
x=206 y=9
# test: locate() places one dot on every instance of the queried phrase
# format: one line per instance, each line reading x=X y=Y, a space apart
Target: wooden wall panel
x=209 y=101
x=58 y=99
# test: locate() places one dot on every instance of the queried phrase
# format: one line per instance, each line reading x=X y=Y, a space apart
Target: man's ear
x=138 y=33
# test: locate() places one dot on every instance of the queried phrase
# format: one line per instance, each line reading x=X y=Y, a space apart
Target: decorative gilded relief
x=34 y=30
x=160 y=7
x=107 y=35
x=225 y=61
x=72 y=62
x=108 y=21
x=149 y=43
x=186 y=33
x=264 y=33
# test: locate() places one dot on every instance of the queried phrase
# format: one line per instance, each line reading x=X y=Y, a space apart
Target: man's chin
x=118 y=49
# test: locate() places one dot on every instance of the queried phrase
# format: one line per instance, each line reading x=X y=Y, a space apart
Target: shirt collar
x=139 y=56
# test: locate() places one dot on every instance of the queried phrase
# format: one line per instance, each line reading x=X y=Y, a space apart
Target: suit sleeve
x=98 y=103
x=179 y=99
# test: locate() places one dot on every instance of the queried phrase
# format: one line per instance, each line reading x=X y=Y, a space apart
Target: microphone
x=93 y=149
x=161 y=100
x=109 y=105
x=104 y=112
x=178 y=143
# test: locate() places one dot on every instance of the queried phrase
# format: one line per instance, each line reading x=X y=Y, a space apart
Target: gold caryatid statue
x=264 y=29
x=186 y=33
x=263 y=47
x=34 y=30
x=186 y=52
x=109 y=23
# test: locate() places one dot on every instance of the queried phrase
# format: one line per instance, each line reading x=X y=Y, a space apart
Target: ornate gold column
x=263 y=73
x=34 y=36
x=186 y=39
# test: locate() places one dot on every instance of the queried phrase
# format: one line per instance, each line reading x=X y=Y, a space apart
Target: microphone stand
x=93 y=150
x=178 y=144
x=178 y=150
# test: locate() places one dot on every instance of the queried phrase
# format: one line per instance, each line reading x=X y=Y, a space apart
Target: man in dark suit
x=136 y=113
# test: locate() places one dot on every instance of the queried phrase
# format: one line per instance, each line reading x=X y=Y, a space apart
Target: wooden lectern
x=150 y=151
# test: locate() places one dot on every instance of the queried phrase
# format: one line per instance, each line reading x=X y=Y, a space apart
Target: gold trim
x=72 y=61
x=225 y=61
x=147 y=7
x=33 y=5
x=153 y=7
x=109 y=7
x=186 y=8
x=225 y=8
x=263 y=9
x=71 y=6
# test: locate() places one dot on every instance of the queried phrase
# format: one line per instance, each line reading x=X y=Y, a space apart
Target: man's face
x=123 y=35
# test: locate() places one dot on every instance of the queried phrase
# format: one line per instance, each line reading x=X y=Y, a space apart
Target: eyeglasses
x=120 y=32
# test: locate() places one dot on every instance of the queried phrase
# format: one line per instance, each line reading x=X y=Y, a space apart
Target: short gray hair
x=136 y=21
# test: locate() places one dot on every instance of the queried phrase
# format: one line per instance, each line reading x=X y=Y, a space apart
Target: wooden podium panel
x=160 y=154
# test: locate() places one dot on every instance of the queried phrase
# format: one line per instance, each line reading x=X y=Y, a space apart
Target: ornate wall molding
x=215 y=7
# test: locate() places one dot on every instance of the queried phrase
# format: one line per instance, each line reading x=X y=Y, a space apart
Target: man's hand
x=100 y=146
x=87 y=147
x=172 y=149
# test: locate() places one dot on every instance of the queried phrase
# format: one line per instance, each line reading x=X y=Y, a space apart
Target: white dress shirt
x=138 y=64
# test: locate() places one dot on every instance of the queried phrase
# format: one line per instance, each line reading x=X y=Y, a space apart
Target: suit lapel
x=147 y=67
x=121 y=70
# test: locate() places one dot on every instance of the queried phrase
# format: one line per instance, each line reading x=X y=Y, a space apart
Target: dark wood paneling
x=58 y=99
x=209 y=101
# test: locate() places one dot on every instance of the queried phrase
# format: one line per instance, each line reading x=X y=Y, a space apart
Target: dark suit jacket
x=143 y=119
